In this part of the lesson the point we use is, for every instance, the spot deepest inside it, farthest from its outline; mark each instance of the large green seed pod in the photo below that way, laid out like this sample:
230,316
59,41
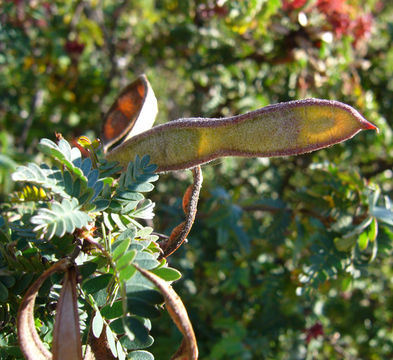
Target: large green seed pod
290,128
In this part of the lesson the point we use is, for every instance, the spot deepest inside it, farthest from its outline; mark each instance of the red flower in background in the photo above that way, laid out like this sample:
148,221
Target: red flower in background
327,7
340,22
313,332
74,47
338,15
361,27
293,4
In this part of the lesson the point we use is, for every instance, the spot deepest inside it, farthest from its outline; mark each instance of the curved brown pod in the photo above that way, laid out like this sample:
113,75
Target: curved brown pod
133,112
29,341
188,349
289,128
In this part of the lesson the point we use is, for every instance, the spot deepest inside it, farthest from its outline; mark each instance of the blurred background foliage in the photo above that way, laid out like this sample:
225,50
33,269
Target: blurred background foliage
289,258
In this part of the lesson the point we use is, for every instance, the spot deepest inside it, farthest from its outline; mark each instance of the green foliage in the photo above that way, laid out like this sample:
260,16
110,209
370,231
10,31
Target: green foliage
279,246
61,218
85,210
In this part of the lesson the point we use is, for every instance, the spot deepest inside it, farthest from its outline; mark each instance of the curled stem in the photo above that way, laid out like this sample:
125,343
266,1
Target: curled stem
190,202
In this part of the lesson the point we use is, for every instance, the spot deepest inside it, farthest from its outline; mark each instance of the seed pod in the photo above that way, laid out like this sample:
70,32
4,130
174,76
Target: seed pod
188,349
66,332
290,128
29,341
133,112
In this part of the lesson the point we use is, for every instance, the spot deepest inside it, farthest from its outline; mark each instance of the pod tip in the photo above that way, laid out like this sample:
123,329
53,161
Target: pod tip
369,126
